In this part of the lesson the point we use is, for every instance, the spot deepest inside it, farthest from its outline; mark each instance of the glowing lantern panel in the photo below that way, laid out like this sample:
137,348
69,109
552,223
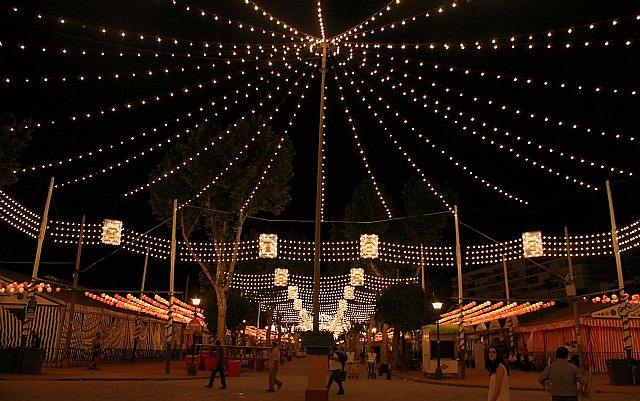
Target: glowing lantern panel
292,292
369,246
357,277
268,246
532,244
111,232
349,292
281,277
297,304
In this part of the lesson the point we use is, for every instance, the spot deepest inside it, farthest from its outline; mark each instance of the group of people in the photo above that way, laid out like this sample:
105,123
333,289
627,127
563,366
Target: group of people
272,366
561,378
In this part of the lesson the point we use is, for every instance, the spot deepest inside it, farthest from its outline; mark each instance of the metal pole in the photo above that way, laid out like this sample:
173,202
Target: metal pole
461,343
626,332
138,323
171,273
316,257
26,324
571,292
74,299
506,289
438,375
258,320
422,265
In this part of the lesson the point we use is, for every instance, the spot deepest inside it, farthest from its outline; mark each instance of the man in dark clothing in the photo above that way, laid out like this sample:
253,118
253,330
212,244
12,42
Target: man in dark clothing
335,367
564,377
218,368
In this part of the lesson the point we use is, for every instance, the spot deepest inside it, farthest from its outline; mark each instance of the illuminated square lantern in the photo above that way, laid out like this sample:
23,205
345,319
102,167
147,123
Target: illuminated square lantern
268,246
281,277
349,292
357,277
292,292
111,232
369,246
342,305
297,304
532,244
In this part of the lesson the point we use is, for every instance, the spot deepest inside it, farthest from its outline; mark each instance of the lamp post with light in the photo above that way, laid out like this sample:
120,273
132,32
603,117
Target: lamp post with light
192,367
437,306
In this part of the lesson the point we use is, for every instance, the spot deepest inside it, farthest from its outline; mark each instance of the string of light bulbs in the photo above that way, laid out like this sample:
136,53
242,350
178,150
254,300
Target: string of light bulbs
363,156
136,156
293,34
414,166
494,128
278,22
512,41
397,23
513,79
486,183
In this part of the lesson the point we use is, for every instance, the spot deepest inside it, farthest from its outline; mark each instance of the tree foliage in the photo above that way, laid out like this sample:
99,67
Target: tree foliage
14,137
217,177
425,218
403,307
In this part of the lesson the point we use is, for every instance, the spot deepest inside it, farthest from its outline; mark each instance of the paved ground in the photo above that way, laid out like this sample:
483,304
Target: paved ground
147,381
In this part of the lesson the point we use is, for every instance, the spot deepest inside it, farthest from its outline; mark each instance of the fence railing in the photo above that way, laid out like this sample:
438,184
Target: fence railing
82,356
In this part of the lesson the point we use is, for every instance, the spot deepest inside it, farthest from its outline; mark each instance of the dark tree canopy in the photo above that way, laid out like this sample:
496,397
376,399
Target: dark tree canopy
217,148
14,137
403,307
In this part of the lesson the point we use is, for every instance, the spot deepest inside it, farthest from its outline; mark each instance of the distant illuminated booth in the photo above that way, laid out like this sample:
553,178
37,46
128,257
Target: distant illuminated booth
448,349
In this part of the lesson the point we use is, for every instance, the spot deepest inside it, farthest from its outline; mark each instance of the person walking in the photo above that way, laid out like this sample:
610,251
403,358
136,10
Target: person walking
371,364
335,369
274,362
498,377
218,368
95,352
563,377
352,369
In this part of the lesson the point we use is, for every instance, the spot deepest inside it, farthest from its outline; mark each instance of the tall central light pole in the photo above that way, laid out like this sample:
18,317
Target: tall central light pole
437,306
316,257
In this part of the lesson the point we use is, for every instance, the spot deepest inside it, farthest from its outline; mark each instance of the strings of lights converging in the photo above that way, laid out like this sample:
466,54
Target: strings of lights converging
434,107
320,21
415,167
147,151
154,99
469,72
293,34
184,163
420,134
385,77
510,40
153,130
361,25
362,154
237,157
355,34
278,22
112,33
509,78
278,147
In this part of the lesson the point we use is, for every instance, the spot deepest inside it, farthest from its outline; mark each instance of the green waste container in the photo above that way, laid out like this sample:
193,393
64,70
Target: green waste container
619,372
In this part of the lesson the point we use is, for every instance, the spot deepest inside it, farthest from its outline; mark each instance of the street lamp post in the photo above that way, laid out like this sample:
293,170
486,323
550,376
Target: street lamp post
437,306
192,367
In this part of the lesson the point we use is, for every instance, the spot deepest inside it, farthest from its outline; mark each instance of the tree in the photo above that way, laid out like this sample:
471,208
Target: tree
403,307
14,137
424,222
215,176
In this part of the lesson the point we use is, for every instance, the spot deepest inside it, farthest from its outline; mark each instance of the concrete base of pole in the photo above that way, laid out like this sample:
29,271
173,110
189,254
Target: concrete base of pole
317,379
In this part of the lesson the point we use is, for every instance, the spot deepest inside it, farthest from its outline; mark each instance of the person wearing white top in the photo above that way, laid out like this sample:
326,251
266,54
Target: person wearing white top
498,377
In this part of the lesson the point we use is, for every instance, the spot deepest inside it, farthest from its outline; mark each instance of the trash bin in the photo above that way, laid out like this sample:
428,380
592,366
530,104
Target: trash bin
9,360
619,372
635,369
234,368
31,361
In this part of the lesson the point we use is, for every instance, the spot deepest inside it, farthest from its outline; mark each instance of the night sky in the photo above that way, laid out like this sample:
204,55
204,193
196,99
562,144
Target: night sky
494,92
